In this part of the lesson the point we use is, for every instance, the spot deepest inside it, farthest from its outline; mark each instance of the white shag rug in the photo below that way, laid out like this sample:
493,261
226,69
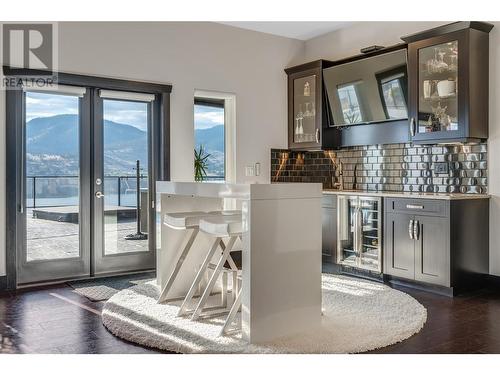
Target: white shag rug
358,316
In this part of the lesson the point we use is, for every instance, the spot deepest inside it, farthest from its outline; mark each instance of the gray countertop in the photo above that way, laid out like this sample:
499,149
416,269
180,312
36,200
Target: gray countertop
396,194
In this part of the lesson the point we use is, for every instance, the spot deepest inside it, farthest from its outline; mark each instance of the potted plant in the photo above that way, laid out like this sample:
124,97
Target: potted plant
200,164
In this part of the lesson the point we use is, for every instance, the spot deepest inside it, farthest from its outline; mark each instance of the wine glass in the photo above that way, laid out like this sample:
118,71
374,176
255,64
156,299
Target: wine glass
441,65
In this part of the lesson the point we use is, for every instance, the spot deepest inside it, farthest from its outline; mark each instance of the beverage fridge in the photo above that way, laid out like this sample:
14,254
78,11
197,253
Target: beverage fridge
359,232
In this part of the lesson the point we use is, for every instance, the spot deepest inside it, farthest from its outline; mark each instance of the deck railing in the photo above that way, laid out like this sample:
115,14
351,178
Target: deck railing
47,191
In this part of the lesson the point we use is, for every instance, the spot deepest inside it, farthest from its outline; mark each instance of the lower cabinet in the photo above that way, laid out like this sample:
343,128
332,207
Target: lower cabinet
399,247
417,248
432,250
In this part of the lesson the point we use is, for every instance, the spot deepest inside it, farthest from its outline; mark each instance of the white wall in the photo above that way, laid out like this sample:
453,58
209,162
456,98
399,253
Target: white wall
190,56
348,41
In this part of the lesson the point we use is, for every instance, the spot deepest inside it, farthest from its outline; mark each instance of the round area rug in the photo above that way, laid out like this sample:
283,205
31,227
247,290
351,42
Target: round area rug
358,316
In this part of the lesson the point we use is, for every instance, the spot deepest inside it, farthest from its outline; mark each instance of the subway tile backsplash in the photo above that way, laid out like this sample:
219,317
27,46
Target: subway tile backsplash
395,167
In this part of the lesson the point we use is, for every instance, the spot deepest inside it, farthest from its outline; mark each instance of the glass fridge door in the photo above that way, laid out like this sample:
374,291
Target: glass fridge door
347,211
369,241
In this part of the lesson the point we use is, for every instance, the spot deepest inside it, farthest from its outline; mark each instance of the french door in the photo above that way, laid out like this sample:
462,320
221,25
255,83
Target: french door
123,203
86,184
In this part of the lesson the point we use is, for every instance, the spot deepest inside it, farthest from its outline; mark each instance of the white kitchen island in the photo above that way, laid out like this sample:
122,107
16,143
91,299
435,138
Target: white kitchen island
281,250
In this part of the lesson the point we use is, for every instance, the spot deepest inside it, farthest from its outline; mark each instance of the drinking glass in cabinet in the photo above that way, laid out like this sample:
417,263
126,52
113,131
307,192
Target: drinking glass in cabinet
304,99
438,105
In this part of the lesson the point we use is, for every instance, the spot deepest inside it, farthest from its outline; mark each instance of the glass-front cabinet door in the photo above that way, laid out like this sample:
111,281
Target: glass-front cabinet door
438,88
438,99
448,83
304,117
359,231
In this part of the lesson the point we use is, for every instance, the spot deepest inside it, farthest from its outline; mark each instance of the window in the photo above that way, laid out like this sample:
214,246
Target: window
393,86
209,139
394,102
349,102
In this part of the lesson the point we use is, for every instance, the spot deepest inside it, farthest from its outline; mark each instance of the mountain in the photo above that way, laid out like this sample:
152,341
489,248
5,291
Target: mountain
212,140
52,146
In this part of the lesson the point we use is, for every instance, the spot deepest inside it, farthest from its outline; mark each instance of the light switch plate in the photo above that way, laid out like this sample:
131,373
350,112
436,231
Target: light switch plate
249,171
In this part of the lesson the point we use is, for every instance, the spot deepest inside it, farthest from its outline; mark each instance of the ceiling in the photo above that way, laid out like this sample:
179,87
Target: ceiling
296,29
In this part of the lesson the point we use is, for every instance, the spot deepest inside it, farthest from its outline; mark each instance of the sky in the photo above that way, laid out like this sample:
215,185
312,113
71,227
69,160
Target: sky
207,117
44,105
131,113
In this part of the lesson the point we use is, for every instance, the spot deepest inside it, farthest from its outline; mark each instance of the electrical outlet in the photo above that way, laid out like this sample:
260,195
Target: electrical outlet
257,169
441,168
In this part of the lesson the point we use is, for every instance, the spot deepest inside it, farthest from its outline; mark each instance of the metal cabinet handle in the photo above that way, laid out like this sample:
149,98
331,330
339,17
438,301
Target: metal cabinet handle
410,229
360,231
317,135
413,128
416,230
415,206
355,232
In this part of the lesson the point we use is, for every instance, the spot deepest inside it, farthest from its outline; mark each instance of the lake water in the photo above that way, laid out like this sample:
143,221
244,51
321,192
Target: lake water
127,200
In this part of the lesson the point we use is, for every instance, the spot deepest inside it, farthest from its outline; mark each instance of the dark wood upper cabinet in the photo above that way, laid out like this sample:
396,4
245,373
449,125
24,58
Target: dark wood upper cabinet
448,83
446,93
307,110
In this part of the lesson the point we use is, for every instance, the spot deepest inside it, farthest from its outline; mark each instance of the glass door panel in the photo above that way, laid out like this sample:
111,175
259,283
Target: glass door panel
125,191
370,244
122,186
438,88
347,236
54,246
304,109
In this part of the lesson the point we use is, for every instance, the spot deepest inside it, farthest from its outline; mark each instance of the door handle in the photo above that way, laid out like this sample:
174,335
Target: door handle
317,135
411,230
413,128
416,230
99,194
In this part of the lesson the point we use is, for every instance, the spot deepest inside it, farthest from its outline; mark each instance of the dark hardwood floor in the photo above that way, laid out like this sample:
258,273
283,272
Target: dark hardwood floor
58,320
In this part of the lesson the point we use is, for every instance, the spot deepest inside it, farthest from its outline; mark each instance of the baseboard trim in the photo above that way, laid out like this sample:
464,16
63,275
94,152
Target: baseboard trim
3,283
361,273
436,289
493,281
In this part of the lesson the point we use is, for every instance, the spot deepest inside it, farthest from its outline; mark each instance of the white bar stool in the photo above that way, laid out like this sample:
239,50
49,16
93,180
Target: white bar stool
181,221
234,310
220,226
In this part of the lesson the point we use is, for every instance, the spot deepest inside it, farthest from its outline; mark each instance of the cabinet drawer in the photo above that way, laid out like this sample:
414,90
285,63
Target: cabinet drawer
329,201
417,206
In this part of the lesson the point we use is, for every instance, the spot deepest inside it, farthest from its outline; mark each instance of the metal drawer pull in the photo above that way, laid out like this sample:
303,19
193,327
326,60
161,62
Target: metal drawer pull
415,206
410,229
416,230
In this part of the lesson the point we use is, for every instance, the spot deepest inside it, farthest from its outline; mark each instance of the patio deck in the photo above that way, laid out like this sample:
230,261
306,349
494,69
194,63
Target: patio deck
49,239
